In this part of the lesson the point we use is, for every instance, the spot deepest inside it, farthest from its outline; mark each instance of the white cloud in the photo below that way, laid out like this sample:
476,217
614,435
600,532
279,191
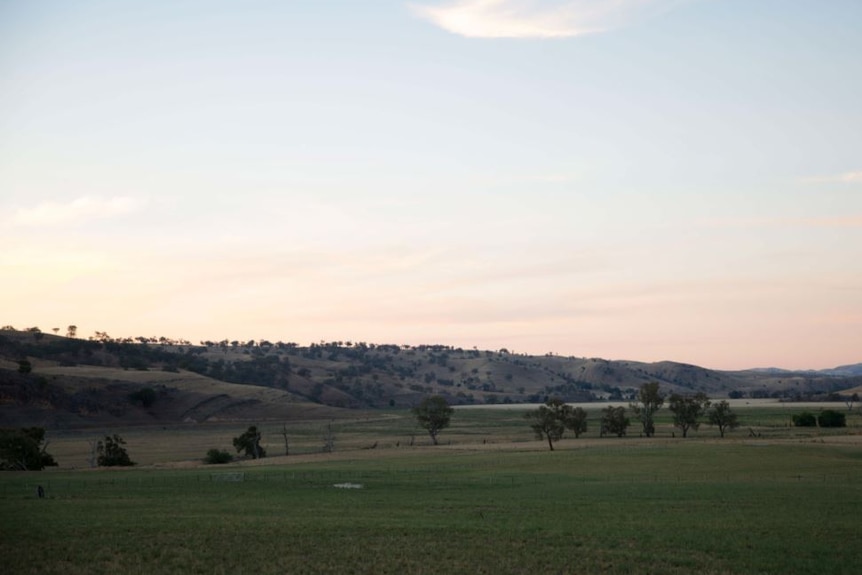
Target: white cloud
533,18
845,178
76,211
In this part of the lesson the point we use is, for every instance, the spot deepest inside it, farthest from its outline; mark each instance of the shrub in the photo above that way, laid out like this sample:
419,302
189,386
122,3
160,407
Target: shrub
831,418
804,419
216,456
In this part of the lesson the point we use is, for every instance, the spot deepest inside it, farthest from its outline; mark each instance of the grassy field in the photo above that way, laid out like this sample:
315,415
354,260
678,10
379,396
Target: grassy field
490,500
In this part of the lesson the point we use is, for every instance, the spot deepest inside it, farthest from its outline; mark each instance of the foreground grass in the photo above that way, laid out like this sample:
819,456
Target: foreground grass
663,508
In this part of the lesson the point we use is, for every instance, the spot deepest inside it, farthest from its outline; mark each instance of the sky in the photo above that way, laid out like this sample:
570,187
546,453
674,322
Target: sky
628,179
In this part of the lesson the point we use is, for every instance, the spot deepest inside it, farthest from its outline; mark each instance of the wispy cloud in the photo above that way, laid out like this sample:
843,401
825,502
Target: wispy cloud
845,178
534,18
76,211
849,221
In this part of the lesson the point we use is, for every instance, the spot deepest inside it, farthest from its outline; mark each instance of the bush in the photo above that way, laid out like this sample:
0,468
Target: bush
831,418
804,419
216,456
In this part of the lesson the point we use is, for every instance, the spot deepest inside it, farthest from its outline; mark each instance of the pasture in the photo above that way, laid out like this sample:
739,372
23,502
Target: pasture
490,500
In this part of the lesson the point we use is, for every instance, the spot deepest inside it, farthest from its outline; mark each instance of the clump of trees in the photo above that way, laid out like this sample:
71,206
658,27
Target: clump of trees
550,421
24,449
249,443
649,401
111,453
433,415
687,411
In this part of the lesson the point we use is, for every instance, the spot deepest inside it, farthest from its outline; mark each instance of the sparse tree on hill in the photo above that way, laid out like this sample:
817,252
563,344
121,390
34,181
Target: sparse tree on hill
249,442
649,402
614,421
72,331
433,415
687,410
722,416
111,452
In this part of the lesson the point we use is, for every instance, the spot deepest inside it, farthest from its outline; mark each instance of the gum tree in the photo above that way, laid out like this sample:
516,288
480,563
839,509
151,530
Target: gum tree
433,415
649,402
687,410
722,417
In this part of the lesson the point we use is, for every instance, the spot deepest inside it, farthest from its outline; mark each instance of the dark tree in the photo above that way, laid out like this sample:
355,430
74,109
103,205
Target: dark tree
687,410
831,418
649,402
576,420
23,449
614,421
146,397
804,419
72,331
24,366
721,416
547,421
111,452
433,415
551,420
850,400
249,443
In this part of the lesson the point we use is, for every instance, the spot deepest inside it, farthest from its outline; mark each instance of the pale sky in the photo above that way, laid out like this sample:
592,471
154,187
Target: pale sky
627,179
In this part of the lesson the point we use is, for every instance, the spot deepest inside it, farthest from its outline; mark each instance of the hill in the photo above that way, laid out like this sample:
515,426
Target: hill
75,382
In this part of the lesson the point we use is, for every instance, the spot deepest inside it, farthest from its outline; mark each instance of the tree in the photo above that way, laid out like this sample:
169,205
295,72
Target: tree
650,401
72,331
721,415
576,420
551,420
850,400
547,421
111,452
23,449
614,421
433,415
24,366
687,410
249,442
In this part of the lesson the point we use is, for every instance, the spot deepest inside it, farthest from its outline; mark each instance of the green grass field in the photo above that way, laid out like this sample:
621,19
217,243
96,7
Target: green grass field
777,504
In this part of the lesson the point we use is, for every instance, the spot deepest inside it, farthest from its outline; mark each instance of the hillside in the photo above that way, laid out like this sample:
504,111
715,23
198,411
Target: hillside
74,382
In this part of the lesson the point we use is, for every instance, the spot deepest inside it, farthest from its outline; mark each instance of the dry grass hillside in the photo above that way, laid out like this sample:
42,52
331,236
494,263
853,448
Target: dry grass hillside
72,382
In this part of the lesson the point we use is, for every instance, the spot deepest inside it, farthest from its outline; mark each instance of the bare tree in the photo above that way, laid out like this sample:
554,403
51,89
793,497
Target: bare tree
284,434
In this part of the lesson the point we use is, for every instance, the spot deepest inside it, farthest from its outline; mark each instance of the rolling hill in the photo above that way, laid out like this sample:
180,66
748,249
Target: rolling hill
73,382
